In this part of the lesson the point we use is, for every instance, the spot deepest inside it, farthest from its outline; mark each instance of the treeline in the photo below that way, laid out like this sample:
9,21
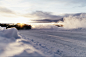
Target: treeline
17,26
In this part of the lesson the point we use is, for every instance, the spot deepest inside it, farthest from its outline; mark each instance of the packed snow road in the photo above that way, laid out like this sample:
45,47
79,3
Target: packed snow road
58,43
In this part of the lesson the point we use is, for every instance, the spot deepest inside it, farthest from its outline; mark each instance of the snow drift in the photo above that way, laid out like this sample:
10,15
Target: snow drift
14,45
9,33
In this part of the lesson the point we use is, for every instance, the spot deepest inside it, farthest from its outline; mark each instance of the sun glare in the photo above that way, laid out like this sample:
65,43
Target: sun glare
21,20
53,23
20,24
33,26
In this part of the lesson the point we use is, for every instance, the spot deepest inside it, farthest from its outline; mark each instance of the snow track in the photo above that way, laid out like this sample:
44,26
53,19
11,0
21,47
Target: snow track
62,43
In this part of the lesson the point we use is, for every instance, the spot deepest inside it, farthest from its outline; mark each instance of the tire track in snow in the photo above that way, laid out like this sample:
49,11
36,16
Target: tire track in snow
62,38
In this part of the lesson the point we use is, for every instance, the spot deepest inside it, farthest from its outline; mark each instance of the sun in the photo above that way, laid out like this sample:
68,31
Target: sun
21,20
20,24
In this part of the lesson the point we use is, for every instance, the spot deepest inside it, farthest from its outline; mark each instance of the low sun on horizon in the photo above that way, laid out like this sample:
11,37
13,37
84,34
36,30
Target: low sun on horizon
21,20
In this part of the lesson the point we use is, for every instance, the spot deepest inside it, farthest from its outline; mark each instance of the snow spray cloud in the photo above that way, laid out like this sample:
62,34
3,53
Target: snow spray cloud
73,22
44,26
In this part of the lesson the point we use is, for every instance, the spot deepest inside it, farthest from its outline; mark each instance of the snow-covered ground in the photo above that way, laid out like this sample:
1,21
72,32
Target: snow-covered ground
46,41
57,43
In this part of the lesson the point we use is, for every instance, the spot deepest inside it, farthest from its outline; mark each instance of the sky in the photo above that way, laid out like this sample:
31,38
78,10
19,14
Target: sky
22,11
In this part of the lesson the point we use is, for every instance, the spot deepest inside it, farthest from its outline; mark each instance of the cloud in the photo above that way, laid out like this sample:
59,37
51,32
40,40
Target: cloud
48,21
69,1
42,15
5,10
23,6
64,1
14,3
80,3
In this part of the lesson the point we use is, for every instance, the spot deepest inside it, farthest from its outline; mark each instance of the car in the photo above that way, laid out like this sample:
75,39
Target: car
59,25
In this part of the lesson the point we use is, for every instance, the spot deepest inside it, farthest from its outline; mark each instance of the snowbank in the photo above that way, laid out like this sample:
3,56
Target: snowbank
14,45
21,48
9,33
2,28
